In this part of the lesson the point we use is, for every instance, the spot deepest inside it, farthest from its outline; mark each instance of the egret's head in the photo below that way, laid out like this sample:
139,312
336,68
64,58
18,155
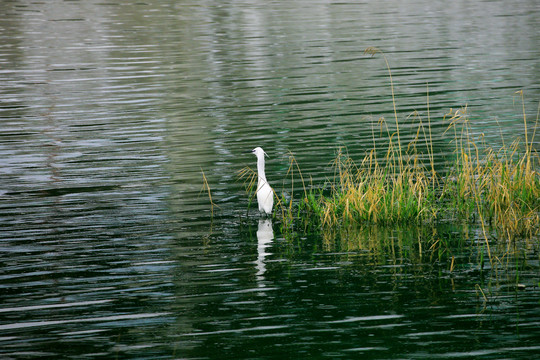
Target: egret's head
259,152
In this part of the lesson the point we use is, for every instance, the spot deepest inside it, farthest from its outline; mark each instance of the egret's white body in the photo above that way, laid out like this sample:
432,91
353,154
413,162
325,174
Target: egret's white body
265,194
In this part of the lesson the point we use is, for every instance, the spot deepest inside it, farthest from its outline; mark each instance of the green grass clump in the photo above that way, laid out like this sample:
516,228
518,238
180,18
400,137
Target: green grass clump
376,193
499,189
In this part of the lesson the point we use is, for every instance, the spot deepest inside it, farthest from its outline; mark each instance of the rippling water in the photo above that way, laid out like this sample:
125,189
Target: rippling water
110,110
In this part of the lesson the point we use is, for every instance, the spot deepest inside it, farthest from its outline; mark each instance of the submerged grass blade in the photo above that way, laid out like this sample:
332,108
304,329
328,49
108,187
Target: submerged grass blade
206,187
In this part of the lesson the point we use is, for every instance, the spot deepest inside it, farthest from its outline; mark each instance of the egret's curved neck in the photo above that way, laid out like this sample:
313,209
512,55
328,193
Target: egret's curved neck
260,168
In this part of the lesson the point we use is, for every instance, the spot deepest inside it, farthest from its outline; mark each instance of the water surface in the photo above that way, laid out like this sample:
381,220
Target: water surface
109,111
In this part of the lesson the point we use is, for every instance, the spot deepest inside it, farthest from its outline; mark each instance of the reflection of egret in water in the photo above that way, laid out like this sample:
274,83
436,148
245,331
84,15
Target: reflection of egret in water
265,235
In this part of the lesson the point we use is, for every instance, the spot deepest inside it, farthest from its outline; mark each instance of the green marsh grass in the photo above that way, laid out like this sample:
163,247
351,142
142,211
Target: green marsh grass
499,188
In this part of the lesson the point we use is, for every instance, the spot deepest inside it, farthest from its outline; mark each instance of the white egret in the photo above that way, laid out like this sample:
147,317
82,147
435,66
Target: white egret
265,194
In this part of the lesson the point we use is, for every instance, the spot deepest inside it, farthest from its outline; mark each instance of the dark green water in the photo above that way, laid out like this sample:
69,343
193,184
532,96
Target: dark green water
109,111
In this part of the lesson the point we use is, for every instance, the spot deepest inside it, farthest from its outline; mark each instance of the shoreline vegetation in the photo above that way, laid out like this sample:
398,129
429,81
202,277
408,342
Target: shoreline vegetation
495,188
